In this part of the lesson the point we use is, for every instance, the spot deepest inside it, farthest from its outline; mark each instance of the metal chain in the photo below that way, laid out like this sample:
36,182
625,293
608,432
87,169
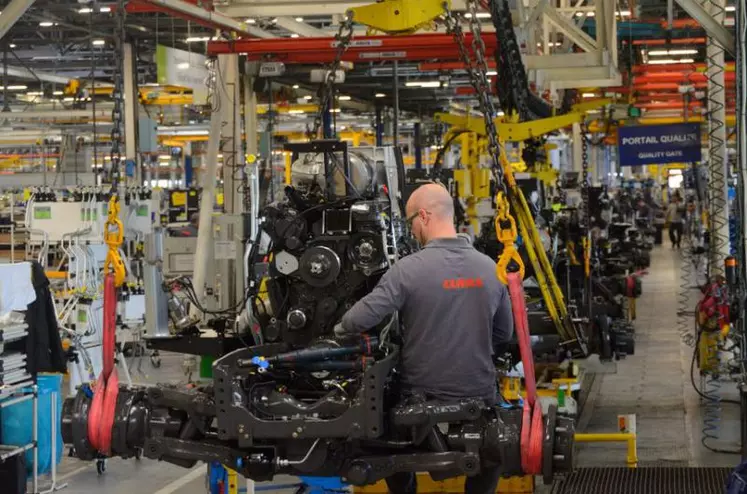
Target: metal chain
478,76
585,179
117,97
343,39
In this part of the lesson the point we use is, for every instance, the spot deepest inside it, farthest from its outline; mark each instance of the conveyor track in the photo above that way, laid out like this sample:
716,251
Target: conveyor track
654,480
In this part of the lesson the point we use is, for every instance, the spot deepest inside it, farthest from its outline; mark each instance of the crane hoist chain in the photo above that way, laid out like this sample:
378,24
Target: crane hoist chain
343,38
512,85
477,71
117,97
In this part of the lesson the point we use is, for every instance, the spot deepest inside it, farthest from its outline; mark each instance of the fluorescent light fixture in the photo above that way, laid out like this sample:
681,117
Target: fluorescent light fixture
500,113
299,19
251,21
424,84
344,98
308,97
380,95
46,24
57,93
491,73
69,100
197,39
16,88
105,10
665,61
294,35
589,95
295,86
296,112
480,15
85,10
730,8
688,51
556,43
335,110
99,42
183,66
11,45
35,93
624,13
587,14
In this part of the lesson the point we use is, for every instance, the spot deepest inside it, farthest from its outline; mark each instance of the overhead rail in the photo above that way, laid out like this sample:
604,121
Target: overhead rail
362,48
190,10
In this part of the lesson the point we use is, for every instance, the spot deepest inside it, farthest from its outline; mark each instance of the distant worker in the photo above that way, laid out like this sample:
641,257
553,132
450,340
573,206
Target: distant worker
676,220
455,314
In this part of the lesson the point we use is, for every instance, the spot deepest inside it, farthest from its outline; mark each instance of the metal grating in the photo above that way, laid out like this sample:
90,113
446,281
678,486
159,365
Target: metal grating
621,480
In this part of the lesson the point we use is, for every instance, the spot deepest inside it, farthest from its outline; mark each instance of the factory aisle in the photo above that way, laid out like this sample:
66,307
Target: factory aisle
655,385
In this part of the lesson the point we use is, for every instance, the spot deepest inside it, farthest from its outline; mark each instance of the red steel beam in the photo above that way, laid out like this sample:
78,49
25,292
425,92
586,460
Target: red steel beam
446,66
729,77
663,41
366,48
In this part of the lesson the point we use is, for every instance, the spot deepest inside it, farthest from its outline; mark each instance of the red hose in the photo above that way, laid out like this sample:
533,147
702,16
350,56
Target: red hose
101,414
532,429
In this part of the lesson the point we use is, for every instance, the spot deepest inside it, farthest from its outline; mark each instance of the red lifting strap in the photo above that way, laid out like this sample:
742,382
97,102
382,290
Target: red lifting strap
101,416
532,429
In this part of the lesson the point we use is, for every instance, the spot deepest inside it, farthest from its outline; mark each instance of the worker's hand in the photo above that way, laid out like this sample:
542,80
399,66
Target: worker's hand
340,331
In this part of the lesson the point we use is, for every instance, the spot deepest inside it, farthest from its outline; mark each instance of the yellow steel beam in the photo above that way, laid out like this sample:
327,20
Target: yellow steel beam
399,16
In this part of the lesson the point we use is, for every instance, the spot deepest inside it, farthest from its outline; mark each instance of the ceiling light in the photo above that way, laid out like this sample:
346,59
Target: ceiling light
275,20
308,97
69,99
46,24
183,66
690,51
424,84
480,15
299,19
57,93
730,8
624,13
295,86
105,10
589,95
344,98
334,110
35,93
99,42
296,112
12,45
85,10
380,95
491,73
294,35
196,39
251,21
556,43
16,88
665,61
588,14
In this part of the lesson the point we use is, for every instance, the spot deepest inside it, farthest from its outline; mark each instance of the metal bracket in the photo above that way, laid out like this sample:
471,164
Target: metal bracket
399,16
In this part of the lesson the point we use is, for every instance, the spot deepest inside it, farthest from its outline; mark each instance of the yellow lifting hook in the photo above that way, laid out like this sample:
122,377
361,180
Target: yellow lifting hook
113,237
506,236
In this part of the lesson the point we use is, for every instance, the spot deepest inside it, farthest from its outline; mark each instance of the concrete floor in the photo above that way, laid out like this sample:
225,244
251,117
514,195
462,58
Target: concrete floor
653,384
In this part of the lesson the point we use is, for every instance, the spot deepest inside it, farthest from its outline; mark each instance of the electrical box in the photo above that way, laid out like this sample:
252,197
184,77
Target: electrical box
147,135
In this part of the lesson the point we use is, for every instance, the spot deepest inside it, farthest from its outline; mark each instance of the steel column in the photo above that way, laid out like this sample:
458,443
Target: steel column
252,146
577,148
130,109
418,146
395,82
232,148
379,126
718,153
11,13
208,177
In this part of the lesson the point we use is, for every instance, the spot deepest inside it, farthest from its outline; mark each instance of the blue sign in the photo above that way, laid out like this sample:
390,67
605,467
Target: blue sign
659,144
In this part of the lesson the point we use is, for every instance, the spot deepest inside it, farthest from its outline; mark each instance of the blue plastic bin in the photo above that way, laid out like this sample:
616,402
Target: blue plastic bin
16,422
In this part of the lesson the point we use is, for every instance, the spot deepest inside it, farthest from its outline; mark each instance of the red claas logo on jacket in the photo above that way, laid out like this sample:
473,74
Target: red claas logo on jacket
462,283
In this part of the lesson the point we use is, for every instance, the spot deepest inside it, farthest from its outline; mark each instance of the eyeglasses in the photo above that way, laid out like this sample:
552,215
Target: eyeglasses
415,215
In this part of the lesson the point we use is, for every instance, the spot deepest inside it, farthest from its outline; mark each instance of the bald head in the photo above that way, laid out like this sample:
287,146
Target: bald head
431,212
